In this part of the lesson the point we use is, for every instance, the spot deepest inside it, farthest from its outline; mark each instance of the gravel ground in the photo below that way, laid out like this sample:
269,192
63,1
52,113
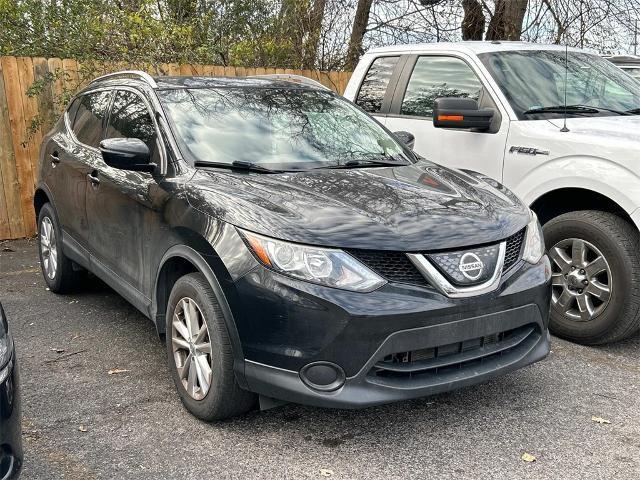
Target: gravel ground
81,422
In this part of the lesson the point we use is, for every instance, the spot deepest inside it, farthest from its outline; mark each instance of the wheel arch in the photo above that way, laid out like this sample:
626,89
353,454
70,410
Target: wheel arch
568,199
180,260
41,196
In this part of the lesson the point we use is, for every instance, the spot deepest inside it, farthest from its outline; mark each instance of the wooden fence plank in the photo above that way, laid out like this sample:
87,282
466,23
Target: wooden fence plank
21,153
10,204
33,133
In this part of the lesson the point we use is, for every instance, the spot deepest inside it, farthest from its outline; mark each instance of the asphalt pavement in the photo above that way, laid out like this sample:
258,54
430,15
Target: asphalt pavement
82,422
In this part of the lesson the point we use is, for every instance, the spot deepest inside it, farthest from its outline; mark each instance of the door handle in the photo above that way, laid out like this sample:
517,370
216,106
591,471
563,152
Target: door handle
55,159
95,181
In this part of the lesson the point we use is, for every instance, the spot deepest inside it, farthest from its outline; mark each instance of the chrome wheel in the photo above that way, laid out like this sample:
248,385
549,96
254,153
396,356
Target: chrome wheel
191,347
48,248
581,279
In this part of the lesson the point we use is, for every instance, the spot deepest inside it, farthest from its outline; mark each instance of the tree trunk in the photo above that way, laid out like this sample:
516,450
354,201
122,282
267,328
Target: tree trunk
473,21
360,23
506,23
315,30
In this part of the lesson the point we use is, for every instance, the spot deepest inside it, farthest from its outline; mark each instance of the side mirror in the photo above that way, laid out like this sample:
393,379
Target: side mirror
127,154
454,112
407,138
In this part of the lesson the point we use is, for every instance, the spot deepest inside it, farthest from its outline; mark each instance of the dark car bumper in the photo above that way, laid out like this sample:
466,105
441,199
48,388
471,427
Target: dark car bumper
396,343
10,426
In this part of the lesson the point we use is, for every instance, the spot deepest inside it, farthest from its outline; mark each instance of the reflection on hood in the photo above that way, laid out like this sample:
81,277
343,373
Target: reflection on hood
415,207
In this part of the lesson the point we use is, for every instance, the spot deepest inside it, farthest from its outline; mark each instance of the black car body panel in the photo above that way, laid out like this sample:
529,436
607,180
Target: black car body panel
140,231
10,411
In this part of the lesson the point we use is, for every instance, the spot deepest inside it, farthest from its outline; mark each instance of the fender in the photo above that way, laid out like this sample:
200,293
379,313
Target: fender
203,267
610,179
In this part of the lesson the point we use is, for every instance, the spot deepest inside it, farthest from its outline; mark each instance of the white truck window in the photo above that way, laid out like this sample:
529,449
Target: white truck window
374,85
434,77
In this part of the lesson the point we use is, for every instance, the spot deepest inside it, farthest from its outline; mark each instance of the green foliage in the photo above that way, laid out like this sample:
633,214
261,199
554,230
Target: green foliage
226,32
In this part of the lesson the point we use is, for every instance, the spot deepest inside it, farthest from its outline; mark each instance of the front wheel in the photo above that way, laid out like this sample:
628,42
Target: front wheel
199,352
595,259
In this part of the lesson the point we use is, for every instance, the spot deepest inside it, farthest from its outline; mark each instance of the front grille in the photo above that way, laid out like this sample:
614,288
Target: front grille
394,266
513,250
453,357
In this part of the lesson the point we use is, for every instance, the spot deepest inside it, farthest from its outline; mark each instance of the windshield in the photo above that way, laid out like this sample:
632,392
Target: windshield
534,79
275,128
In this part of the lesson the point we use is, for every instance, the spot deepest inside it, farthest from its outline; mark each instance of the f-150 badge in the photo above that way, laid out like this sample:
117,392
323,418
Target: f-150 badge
528,151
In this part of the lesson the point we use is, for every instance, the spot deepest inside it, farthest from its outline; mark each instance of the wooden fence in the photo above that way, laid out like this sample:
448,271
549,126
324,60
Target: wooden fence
33,93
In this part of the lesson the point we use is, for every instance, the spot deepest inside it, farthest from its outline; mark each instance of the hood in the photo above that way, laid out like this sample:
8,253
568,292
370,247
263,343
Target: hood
614,132
410,208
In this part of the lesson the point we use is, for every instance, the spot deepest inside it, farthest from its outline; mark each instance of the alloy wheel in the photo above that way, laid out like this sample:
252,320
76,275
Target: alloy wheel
48,248
191,347
581,279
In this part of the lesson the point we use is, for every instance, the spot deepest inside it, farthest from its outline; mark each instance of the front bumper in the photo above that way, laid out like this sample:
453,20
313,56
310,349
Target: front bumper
10,423
288,325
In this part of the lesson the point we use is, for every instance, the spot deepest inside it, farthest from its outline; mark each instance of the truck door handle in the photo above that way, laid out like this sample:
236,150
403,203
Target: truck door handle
55,159
95,181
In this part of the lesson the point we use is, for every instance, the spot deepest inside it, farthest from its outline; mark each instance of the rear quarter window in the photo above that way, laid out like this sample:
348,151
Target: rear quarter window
89,117
375,83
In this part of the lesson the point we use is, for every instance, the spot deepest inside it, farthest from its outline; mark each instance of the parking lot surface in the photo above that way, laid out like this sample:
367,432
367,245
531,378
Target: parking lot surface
82,422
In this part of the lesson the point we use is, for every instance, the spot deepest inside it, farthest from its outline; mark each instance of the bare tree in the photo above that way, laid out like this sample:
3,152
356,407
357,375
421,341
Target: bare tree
473,22
358,30
506,22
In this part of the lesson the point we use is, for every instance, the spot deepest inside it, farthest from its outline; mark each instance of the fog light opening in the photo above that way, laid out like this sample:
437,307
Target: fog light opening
323,376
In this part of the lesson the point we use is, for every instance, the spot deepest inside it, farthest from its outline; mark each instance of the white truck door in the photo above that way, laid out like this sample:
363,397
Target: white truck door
424,79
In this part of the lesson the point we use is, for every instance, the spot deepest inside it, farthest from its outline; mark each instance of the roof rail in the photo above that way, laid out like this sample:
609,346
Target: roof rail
140,75
289,77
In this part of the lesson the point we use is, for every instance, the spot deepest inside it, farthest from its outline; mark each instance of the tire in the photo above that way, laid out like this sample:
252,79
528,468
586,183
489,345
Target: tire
62,278
614,315
224,398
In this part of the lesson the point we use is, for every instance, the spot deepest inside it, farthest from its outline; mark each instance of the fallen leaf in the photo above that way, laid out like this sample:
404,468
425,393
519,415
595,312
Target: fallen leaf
115,371
82,428
599,420
527,457
325,472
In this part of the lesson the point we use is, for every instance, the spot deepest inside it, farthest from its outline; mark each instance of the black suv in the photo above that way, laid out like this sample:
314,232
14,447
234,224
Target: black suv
287,244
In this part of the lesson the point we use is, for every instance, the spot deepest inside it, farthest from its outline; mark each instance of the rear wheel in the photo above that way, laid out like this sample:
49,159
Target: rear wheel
595,258
199,352
57,269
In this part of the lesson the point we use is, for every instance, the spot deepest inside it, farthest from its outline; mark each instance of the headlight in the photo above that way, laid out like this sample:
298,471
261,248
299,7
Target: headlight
325,266
533,242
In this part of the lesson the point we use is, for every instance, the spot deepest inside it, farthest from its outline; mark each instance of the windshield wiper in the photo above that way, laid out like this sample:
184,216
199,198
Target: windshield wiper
385,161
634,111
561,109
239,165
586,109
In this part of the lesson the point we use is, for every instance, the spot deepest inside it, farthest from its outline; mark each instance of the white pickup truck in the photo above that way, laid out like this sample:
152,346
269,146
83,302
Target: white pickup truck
499,108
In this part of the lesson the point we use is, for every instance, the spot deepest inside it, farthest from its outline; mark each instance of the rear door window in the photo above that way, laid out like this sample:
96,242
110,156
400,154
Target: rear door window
130,118
375,83
434,77
89,117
